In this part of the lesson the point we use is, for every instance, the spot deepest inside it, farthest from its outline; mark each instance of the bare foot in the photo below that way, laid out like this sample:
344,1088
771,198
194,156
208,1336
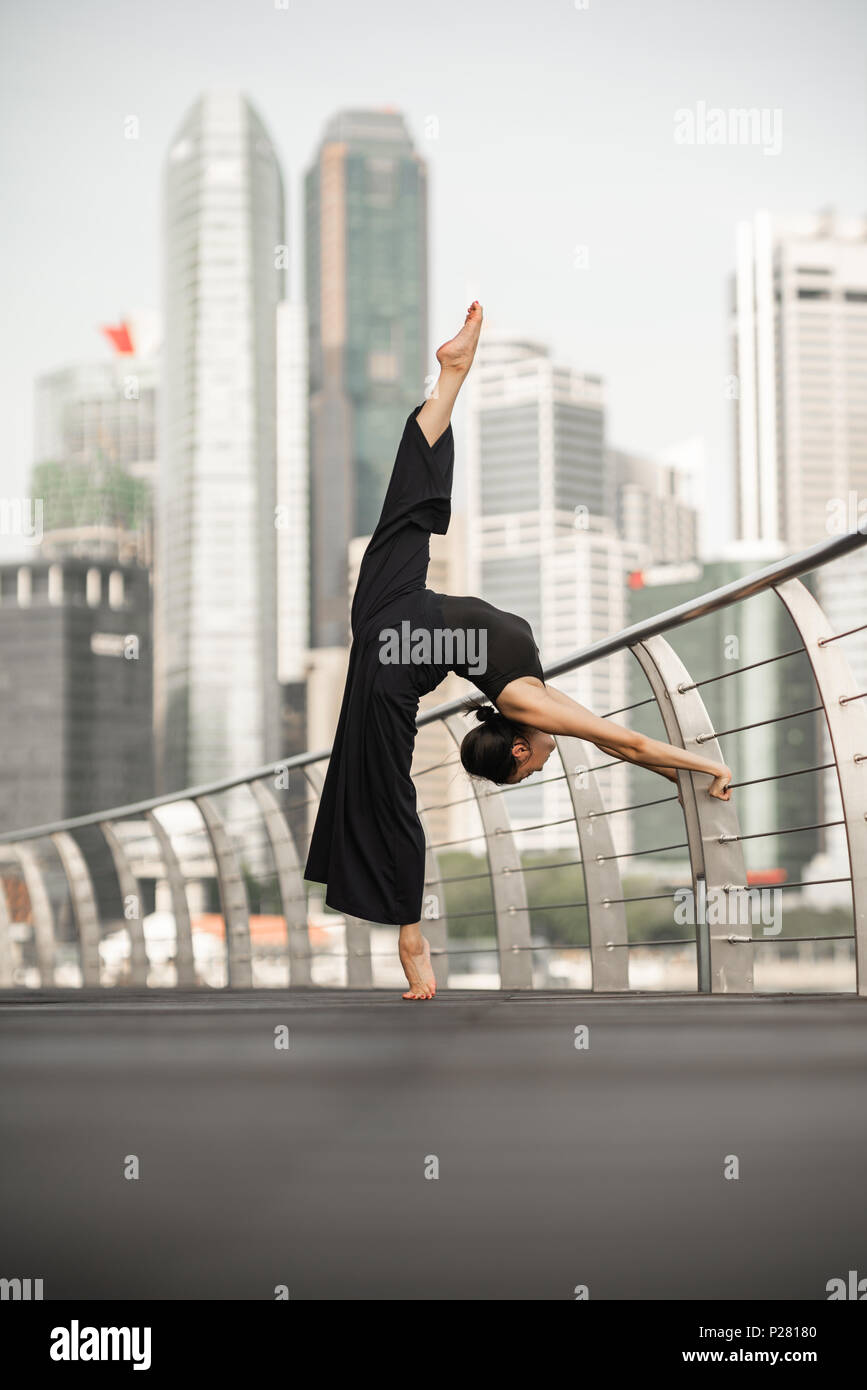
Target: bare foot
458,353
418,970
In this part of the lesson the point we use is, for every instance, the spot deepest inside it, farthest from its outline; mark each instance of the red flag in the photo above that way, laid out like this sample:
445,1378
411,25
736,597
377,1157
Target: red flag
119,338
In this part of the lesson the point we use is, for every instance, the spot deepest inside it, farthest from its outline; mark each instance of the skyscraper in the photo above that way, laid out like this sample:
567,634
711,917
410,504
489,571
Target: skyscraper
536,467
799,349
541,543
293,503
799,337
647,501
76,686
366,271
217,706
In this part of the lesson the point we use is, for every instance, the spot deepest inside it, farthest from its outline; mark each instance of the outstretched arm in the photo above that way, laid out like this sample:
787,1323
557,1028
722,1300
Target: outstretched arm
455,358
669,773
554,712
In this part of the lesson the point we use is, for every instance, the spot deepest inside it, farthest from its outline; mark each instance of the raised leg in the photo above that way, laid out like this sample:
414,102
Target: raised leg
455,358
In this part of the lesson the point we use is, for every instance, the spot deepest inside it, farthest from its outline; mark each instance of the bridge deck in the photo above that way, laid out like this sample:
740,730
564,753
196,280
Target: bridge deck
557,1167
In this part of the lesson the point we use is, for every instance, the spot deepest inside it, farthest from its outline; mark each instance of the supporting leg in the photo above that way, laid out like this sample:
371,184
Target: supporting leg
414,952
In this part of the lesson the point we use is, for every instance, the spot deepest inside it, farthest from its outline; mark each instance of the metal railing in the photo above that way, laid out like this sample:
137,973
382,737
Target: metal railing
213,853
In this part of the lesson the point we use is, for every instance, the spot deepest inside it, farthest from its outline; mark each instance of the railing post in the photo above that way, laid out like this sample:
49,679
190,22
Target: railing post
41,912
359,966
5,940
129,889
712,828
233,897
606,917
508,887
847,728
292,894
83,904
185,966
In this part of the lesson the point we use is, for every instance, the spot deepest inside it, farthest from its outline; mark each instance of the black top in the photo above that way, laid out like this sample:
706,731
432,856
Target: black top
368,843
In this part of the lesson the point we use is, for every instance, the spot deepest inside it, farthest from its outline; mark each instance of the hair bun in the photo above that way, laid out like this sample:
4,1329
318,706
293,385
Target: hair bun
486,713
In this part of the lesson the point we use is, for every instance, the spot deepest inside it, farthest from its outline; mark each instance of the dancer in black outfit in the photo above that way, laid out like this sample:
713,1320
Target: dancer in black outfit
368,844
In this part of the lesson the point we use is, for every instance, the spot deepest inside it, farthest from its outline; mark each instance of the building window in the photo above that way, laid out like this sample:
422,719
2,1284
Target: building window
93,589
25,587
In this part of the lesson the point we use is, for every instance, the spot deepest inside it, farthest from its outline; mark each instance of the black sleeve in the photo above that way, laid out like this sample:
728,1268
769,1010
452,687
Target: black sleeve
417,502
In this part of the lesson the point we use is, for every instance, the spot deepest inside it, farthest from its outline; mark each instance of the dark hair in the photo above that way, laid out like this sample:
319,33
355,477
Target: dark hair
486,751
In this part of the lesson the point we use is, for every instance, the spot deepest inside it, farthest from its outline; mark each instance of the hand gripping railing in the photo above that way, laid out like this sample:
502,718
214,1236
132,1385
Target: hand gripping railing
91,871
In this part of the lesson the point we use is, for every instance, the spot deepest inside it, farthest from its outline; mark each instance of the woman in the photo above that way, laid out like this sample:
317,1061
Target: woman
368,844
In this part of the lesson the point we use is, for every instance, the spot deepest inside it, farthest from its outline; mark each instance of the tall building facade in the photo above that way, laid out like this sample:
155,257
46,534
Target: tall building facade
216,580
540,541
535,450
293,493
76,688
799,353
799,349
366,279
648,503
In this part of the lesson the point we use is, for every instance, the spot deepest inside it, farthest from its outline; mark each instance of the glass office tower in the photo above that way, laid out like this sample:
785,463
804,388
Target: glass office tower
217,707
366,273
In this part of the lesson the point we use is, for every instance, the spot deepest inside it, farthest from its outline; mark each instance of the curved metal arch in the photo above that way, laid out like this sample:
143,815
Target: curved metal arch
5,940
511,912
292,895
185,965
83,904
129,888
847,727
41,912
606,915
233,896
724,957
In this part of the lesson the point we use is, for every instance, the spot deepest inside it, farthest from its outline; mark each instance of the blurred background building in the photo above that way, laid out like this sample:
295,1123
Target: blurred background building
95,448
292,523
76,689
217,699
649,505
799,354
545,496
799,347
367,300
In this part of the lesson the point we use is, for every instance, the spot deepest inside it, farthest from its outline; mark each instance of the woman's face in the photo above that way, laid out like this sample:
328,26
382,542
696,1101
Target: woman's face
531,750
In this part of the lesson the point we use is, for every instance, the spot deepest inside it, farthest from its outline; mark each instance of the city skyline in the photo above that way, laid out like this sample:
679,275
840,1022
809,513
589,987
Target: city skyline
433,568
566,261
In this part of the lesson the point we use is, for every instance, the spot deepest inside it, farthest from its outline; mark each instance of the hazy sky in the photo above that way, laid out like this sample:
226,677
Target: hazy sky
556,130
